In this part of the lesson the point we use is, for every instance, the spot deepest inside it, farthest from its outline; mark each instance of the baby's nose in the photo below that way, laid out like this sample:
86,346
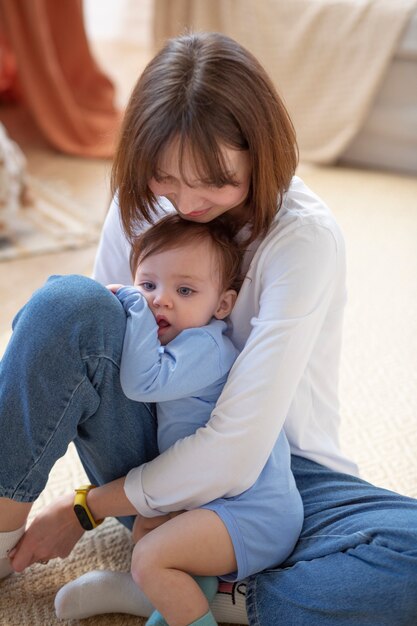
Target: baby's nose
162,299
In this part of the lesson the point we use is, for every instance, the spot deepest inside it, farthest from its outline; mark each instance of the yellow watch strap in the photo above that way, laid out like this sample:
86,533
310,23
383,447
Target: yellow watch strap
81,509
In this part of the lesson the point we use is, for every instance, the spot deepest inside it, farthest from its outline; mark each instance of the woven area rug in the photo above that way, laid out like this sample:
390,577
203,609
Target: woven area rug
378,213
52,222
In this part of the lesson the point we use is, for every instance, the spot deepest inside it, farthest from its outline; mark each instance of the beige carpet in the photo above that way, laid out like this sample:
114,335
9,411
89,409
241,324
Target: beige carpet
378,213
52,222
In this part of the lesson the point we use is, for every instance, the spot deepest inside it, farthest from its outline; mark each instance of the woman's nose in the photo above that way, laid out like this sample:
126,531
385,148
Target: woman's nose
187,200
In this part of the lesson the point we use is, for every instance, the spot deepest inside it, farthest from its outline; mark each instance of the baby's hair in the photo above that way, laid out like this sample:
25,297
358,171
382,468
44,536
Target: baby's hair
206,91
172,232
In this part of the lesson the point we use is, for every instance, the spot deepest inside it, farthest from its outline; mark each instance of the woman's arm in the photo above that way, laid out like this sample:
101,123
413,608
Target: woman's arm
111,264
54,532
151,373
230,452
294,284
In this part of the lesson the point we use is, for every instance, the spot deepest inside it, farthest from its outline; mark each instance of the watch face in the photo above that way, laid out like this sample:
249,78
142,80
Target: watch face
83,518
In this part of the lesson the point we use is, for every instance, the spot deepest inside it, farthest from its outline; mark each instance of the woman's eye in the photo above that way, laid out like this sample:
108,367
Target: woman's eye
220,184
163,179
212,184
185,291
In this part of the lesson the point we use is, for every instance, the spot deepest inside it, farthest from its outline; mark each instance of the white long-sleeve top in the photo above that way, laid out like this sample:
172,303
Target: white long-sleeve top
287,323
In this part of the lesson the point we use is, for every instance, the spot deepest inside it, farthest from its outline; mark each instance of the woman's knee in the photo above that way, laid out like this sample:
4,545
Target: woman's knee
75,292
69,298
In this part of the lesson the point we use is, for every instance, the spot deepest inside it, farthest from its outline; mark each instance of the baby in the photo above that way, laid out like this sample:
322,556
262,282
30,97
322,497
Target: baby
177,353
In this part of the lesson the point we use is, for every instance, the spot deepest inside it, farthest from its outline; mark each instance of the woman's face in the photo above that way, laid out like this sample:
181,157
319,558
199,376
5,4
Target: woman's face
197,200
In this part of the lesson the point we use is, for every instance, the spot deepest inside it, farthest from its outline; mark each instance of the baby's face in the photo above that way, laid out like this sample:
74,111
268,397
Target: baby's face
182,287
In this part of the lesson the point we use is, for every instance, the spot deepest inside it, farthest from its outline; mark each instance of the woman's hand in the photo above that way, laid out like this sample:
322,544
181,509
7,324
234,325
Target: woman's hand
53,533
143,525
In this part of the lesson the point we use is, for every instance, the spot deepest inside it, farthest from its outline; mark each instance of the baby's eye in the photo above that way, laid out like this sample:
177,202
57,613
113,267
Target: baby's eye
147,285
185,291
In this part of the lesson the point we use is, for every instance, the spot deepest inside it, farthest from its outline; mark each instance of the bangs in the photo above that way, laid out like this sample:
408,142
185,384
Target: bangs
207,156
201,146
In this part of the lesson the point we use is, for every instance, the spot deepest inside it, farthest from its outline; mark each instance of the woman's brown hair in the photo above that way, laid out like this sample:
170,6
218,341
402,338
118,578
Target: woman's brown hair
208,91
172,232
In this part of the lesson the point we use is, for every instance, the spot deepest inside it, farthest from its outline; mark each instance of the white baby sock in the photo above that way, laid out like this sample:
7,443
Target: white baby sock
7,542
101,592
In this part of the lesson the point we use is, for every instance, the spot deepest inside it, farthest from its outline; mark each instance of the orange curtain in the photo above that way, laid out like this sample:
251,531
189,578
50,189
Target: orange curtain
70,98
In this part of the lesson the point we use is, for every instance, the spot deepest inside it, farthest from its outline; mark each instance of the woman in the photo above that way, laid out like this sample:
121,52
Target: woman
205,134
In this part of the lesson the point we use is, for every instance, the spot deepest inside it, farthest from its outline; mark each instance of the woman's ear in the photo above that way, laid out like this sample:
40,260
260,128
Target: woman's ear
226,303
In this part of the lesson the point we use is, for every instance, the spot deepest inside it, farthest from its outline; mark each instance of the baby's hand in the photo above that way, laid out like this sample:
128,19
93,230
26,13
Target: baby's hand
113,287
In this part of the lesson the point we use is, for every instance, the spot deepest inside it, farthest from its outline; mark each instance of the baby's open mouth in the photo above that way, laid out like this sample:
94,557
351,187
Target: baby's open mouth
162,323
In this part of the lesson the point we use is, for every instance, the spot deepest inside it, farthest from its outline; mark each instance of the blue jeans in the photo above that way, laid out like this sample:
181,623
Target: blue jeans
356,560
355,563
59,382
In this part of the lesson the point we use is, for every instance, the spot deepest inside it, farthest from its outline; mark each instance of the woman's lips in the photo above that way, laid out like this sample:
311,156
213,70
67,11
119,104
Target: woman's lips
198,213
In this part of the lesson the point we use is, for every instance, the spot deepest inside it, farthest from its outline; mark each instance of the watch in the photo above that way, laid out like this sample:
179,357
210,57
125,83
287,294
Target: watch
81,509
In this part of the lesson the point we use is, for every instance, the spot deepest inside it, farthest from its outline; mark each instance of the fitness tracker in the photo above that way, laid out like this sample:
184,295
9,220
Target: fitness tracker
81,509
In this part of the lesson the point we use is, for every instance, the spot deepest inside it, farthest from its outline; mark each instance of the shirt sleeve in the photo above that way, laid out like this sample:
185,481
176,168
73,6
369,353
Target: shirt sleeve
150,372
111,264
296,281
